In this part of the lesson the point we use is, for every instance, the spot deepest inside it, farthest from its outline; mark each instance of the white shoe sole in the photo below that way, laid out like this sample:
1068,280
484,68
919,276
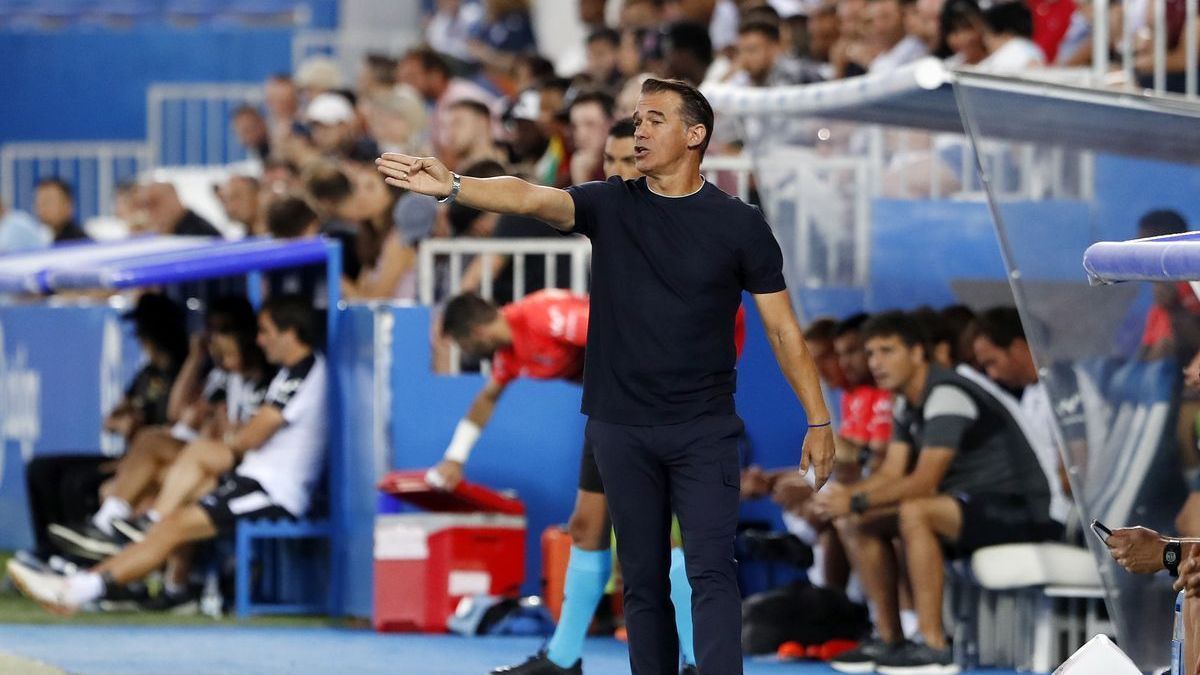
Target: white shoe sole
865,667
129,531
931,669
22,578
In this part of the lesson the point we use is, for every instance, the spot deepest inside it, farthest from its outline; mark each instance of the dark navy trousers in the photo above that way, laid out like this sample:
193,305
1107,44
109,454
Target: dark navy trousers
691,470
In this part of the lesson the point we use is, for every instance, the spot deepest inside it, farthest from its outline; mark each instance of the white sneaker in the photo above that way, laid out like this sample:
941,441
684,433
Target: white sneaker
48,590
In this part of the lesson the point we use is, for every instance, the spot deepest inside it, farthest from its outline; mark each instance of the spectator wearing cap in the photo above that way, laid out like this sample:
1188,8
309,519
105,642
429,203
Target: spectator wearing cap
591,116
252,132
333,125
20,232
55,207
885,25
160,209
317,75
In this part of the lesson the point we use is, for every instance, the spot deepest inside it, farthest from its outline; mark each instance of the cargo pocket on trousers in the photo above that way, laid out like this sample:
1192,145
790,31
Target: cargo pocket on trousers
731,472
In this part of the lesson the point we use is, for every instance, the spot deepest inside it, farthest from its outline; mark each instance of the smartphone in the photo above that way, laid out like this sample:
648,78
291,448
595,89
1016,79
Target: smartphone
1101,531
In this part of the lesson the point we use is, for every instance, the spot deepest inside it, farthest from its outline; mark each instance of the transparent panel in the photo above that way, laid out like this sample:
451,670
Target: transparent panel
1111,366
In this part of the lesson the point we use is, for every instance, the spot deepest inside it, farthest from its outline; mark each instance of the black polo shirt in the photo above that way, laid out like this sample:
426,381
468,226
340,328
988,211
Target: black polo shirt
667,278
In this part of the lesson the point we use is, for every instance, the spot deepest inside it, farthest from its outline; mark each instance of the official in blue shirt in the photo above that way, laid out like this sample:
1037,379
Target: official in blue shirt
671,257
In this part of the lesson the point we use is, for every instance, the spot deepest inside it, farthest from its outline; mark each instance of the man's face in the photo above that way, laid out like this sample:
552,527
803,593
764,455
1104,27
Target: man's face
410,72
239,198
282,99
463,127
619,159
225,352
270,339
884,23
825,358
1009,367
550,101
52,206
893,363
250,130
601,58
852,358
330,138
589,127
591,12
479,344
661,136
823,32
926,21
756,54
640,14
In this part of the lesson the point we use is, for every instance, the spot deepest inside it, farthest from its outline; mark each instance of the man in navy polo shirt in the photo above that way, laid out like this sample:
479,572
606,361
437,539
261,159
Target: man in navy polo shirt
671,257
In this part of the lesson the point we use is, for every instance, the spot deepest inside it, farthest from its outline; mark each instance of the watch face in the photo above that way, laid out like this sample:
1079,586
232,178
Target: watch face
1171,557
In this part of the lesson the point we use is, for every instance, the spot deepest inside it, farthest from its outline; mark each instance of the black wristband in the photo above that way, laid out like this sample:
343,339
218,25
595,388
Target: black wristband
1172,554
858,503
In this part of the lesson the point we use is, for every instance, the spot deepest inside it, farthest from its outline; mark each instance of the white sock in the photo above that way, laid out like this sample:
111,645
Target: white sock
908,623
112,508
153,516
84,587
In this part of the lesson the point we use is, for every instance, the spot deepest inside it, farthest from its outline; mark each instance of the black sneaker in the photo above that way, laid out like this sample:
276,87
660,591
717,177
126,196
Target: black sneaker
863,658
915,659
133,529
689,670
85,541
540,665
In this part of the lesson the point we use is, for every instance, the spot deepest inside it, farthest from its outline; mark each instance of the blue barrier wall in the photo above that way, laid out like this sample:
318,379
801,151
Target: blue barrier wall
83,84
60,369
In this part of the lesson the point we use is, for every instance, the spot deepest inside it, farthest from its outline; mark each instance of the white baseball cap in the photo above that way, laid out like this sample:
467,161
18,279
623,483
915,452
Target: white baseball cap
329,109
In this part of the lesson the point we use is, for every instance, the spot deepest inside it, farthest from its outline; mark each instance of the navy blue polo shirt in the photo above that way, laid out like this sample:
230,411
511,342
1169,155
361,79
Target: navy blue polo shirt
667,279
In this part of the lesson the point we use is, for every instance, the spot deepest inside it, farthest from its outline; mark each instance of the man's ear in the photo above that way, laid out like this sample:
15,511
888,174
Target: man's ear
696,135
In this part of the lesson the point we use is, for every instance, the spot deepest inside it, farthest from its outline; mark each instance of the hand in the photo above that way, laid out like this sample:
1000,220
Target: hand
423,175
198,345
1138,549
1191,374
833,501
755,482
1189,575
818,454
791,492
450,474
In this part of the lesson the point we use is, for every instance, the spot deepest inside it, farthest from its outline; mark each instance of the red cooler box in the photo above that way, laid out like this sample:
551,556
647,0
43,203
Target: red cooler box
467,542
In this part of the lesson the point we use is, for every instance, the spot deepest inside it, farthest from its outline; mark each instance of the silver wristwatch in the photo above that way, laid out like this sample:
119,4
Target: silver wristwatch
455,186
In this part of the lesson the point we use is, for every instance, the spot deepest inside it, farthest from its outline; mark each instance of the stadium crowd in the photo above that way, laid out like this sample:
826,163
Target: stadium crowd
946,436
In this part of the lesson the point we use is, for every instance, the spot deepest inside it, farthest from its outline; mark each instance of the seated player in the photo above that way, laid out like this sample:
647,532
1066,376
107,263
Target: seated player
282,450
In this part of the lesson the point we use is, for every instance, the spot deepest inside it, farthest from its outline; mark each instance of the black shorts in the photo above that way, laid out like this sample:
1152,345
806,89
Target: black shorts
991,520
238,497
589,473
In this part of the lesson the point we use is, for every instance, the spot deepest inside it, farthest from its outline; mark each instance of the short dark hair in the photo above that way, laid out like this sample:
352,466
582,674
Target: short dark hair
245,109
540,68
289,217
291,312
1011,17
464,312
1161,222
851,324
762,13
897,324
59,184
327,183
606,34
821,330
600,98
381,66
693,106
474,106
429,59
1001,326
622,128
233,315
162,322
554,83
764,28
690,37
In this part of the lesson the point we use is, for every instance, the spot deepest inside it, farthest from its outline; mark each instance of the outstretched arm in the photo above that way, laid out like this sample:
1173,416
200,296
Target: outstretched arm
505,194
449,472
797,365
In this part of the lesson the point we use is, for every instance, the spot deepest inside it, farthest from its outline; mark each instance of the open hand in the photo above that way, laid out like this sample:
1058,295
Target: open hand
423,175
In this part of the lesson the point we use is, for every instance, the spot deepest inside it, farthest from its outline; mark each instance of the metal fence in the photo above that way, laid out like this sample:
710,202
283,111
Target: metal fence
442,264
93,169
191,124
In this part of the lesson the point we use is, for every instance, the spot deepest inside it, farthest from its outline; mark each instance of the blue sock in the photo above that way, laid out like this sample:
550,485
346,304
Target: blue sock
681,597
587,575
